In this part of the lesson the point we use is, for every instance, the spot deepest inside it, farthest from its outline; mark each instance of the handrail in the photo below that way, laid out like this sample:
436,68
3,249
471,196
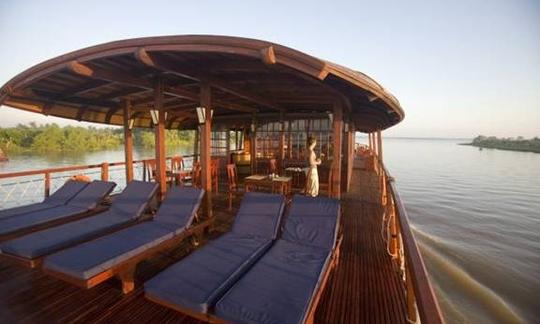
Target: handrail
72,168
416,274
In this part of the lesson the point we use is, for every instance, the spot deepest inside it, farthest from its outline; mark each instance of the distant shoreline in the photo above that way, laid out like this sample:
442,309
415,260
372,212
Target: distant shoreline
495,147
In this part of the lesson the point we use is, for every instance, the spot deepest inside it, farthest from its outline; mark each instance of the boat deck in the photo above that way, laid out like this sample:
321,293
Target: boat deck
365,287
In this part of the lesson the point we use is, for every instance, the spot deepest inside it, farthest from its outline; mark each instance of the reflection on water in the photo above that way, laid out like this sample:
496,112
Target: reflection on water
476,216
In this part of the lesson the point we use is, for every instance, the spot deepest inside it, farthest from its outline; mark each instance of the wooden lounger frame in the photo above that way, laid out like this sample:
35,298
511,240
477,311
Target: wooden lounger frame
211,318
37,262
53,223
125,270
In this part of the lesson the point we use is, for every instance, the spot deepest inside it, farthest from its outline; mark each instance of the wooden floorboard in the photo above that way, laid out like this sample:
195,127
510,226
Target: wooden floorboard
364,288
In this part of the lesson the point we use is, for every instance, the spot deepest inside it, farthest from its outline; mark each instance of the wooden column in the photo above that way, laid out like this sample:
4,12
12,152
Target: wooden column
206,133
338,139
196,145
253,146
289,140
281,141
206,137
379,146
128,142
159,130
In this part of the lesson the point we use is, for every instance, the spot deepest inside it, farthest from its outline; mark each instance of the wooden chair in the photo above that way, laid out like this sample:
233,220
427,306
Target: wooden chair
196,175
179,174
325,186
214,172
232,182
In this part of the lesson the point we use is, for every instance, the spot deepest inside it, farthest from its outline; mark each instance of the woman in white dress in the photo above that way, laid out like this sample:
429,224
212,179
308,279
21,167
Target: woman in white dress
312,177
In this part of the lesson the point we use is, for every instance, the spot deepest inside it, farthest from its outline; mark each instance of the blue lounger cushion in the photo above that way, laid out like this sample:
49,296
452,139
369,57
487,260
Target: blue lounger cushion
200,279
87,199
86,260
91,258
58,198
259,215
135,197
12,224
278,288
92,195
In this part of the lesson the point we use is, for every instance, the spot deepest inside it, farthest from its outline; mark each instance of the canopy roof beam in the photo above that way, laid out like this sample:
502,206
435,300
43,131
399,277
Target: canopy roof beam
124,78
157,63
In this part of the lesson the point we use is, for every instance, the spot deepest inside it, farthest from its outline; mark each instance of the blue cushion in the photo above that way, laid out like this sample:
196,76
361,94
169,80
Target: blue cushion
128,202
199,280
312,221
92,194
259,215
16,211
91,258
29,220
179,207
278,288
58,198
66,192
53,239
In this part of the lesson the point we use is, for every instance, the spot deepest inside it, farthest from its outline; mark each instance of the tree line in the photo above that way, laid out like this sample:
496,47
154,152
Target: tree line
53,138
513,144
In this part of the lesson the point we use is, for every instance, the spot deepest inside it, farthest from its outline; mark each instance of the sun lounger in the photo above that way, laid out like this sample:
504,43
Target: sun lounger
126,209
285,284
80,205
118,253
58,198
194,284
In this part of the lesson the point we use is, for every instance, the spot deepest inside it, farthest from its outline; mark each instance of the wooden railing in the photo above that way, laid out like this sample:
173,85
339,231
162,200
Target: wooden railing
421,299
44,177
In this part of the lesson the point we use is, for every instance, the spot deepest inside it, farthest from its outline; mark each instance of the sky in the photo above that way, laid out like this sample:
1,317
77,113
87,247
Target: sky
459,68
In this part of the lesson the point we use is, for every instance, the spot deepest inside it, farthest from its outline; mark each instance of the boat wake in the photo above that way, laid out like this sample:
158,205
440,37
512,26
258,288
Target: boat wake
462,297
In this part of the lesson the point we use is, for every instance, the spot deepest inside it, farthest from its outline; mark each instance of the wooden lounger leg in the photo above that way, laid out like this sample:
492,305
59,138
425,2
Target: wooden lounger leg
128,280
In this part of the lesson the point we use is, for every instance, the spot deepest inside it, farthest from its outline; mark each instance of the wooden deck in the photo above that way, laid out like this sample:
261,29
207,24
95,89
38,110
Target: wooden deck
365,288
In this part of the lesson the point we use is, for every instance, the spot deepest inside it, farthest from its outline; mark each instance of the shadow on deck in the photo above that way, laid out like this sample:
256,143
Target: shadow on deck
365,288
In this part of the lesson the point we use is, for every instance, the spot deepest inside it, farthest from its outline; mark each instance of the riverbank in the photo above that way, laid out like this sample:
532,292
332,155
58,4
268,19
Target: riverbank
508,144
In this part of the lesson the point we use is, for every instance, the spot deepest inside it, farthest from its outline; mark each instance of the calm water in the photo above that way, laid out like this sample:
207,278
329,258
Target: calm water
476,215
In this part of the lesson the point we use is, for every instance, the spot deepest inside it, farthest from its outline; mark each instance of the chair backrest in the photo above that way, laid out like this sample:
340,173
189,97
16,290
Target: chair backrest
66,192
259,215
232,176
134,199
151,167
312,221
272,166
177,163
179,207
92,194
196,174
214,167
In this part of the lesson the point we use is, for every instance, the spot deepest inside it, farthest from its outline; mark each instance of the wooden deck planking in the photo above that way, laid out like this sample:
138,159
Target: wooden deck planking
364,288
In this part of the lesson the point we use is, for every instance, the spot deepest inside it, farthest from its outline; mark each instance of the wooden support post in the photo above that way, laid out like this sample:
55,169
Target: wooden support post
379,146
393,229
196,150
281,141
338,135
206,136
128,142
104,171
253,146
128,280
227,146
47,184
159,130
289,141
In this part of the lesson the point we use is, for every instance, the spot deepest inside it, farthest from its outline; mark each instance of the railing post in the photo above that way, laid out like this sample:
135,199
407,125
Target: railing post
47,184
104,171
411,299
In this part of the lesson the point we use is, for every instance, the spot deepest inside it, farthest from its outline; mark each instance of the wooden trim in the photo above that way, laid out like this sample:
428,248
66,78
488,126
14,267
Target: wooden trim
206,137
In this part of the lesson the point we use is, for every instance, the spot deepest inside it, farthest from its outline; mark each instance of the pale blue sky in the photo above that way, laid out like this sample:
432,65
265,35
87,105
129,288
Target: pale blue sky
459,68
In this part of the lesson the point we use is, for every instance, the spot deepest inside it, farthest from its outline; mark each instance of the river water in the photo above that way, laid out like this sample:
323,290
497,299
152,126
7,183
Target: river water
476,215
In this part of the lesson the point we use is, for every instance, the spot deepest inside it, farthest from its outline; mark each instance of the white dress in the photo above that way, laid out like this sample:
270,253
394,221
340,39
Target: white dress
312,177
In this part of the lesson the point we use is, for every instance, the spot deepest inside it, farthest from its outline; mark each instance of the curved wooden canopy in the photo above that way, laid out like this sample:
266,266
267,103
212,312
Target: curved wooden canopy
246,76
